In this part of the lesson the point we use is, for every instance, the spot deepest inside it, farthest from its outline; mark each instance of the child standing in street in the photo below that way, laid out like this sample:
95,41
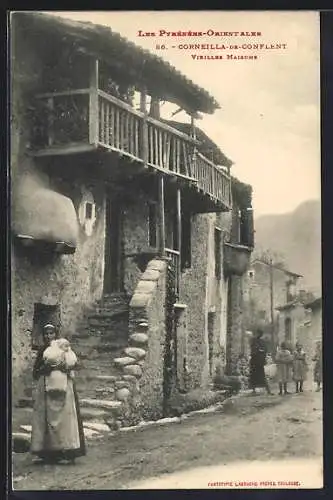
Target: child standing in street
318,367
299,367
284,361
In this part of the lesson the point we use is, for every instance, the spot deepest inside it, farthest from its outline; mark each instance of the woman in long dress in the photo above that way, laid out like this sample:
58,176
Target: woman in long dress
57,430
257,363
284,363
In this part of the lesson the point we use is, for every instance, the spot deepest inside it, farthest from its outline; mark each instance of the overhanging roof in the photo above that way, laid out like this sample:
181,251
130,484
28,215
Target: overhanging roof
276,266
289,305
143,67
314,304
207,147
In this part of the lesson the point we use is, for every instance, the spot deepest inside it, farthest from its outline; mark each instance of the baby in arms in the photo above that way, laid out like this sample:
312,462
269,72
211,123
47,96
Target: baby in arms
58,352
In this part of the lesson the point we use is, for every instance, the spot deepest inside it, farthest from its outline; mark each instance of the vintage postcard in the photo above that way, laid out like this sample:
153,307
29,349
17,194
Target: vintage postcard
166,250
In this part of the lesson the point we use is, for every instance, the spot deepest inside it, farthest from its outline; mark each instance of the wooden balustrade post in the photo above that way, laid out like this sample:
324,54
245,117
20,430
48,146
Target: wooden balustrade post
161,217
144,124
93,103
194,157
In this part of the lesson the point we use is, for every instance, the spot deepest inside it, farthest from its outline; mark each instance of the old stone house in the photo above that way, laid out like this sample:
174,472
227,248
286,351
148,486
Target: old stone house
125,234
267,285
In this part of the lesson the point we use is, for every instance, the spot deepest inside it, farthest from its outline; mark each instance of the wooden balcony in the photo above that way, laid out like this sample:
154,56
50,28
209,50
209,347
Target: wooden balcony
83,120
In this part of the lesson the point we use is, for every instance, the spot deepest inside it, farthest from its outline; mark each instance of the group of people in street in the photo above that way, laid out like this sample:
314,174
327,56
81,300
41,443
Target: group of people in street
57,428
289,366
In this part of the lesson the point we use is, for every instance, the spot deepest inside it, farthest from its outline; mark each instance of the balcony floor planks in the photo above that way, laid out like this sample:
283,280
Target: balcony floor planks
64,150
149,168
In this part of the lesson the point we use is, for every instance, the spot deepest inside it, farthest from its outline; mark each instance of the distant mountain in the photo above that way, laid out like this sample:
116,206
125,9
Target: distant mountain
296,236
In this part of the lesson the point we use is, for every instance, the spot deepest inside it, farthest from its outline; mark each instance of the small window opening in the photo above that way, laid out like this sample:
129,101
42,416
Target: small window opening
89,210
186,235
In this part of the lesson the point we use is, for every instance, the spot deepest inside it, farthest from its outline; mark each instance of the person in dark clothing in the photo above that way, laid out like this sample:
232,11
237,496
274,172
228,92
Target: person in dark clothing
257,363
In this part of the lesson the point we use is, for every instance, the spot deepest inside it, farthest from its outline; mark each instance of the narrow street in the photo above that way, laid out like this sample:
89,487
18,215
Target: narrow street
246,431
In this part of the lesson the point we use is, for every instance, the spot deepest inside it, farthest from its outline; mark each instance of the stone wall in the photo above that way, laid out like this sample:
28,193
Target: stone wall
235,329
194,293
139,383
205,297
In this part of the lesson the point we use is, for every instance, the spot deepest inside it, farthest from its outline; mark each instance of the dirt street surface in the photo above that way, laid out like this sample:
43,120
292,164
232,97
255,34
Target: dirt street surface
260,428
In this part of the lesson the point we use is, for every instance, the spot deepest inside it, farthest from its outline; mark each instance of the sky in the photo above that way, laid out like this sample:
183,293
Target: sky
269,121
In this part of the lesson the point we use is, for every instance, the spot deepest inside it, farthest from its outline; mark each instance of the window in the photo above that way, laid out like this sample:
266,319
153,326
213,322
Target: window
246,227
152,225
89,210
250,273
218,261
186,249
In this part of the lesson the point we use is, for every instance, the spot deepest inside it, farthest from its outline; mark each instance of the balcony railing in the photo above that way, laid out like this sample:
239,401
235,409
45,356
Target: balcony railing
76,120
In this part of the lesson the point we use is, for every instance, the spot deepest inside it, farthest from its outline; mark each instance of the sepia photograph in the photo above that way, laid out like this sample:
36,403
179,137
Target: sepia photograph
165,238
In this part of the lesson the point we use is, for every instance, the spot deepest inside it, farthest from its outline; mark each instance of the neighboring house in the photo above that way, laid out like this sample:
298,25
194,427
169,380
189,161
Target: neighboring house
311,331
292,318
125,235
266,286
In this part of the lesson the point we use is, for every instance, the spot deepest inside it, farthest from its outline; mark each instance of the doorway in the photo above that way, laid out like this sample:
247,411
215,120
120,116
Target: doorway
44,314
211,327
287,327
113,271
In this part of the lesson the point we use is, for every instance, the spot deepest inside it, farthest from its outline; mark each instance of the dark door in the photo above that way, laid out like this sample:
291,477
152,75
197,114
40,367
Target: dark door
113,272
44,314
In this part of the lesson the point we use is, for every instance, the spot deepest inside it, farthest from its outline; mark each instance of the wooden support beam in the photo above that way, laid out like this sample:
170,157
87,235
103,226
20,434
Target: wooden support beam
93,103
161,217
50,105
194,156
193,131
179,237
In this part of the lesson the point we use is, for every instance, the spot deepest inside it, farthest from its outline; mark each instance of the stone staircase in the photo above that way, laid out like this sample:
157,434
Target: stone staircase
103,338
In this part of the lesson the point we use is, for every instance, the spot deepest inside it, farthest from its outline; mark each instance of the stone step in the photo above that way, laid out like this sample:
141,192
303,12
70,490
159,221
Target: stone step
97,426
107,405
119,297
106,315
109,346
95,414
